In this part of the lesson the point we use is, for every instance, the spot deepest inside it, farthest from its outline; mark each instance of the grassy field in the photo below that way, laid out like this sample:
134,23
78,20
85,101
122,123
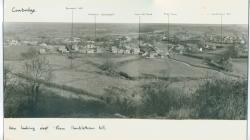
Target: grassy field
14,53
164,68
87,75
122,86
240,66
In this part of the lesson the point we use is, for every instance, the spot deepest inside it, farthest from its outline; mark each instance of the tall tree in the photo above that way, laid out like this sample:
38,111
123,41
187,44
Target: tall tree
36,70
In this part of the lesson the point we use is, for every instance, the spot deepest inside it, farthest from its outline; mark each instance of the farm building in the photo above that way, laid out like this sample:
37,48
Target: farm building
90,51
126,51
83,50
43,45
99,50
62,49
12,42
75,47
50,49
42,51
31,43
114,49
135,50
179,49
152,55
120,51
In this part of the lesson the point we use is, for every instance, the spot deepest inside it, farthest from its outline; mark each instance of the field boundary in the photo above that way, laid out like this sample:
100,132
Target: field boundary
58,86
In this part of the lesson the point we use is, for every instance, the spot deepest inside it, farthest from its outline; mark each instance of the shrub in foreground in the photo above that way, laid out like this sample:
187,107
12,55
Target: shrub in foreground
222,99
159,99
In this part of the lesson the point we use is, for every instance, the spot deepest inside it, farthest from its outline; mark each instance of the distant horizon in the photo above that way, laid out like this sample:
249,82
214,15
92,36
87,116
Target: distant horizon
127,23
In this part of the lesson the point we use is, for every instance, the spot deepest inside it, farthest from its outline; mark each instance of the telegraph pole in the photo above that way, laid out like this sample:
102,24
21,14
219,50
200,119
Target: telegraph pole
221,24
139,31
95,26
168,24
221,34
168,27
72,33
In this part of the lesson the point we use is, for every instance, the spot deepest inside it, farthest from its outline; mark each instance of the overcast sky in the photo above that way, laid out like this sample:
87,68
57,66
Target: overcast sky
188,11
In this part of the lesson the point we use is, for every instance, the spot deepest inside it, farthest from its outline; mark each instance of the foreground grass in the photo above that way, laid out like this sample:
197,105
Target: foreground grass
52,105
214,99
222,99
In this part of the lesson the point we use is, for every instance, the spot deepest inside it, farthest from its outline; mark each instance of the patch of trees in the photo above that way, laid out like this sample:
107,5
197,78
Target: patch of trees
36,68
224,61
214,99
222,99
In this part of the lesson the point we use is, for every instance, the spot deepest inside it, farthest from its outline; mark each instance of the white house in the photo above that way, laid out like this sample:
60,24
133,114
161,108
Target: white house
152,55
13,42
90,46
145,54
120,51
42,51
136,50
83,50
200,49
90,51
75,47
62,49
114,49
43,45
126,51
99,50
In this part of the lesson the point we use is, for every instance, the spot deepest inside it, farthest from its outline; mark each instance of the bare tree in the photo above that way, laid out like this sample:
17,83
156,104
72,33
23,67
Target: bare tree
6,77
9,81
36,70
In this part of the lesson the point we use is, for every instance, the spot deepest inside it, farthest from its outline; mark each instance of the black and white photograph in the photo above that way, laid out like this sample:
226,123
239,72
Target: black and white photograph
124,69
137,67
163,71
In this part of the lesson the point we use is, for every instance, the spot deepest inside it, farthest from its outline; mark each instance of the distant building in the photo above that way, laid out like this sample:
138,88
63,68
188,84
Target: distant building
31,43
75,47
42,51
90,51
201,49
180,49
90,46
90,42
126,51
194,48
83,50
50,49
13,43
62,49
145,54
135,50
152,55
43,45
114,49
210,47
120,51
99,50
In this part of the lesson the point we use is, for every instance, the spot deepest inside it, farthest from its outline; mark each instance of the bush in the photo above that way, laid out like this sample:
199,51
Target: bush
118,101
18,102
109,67
222,99
159,99
52,105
